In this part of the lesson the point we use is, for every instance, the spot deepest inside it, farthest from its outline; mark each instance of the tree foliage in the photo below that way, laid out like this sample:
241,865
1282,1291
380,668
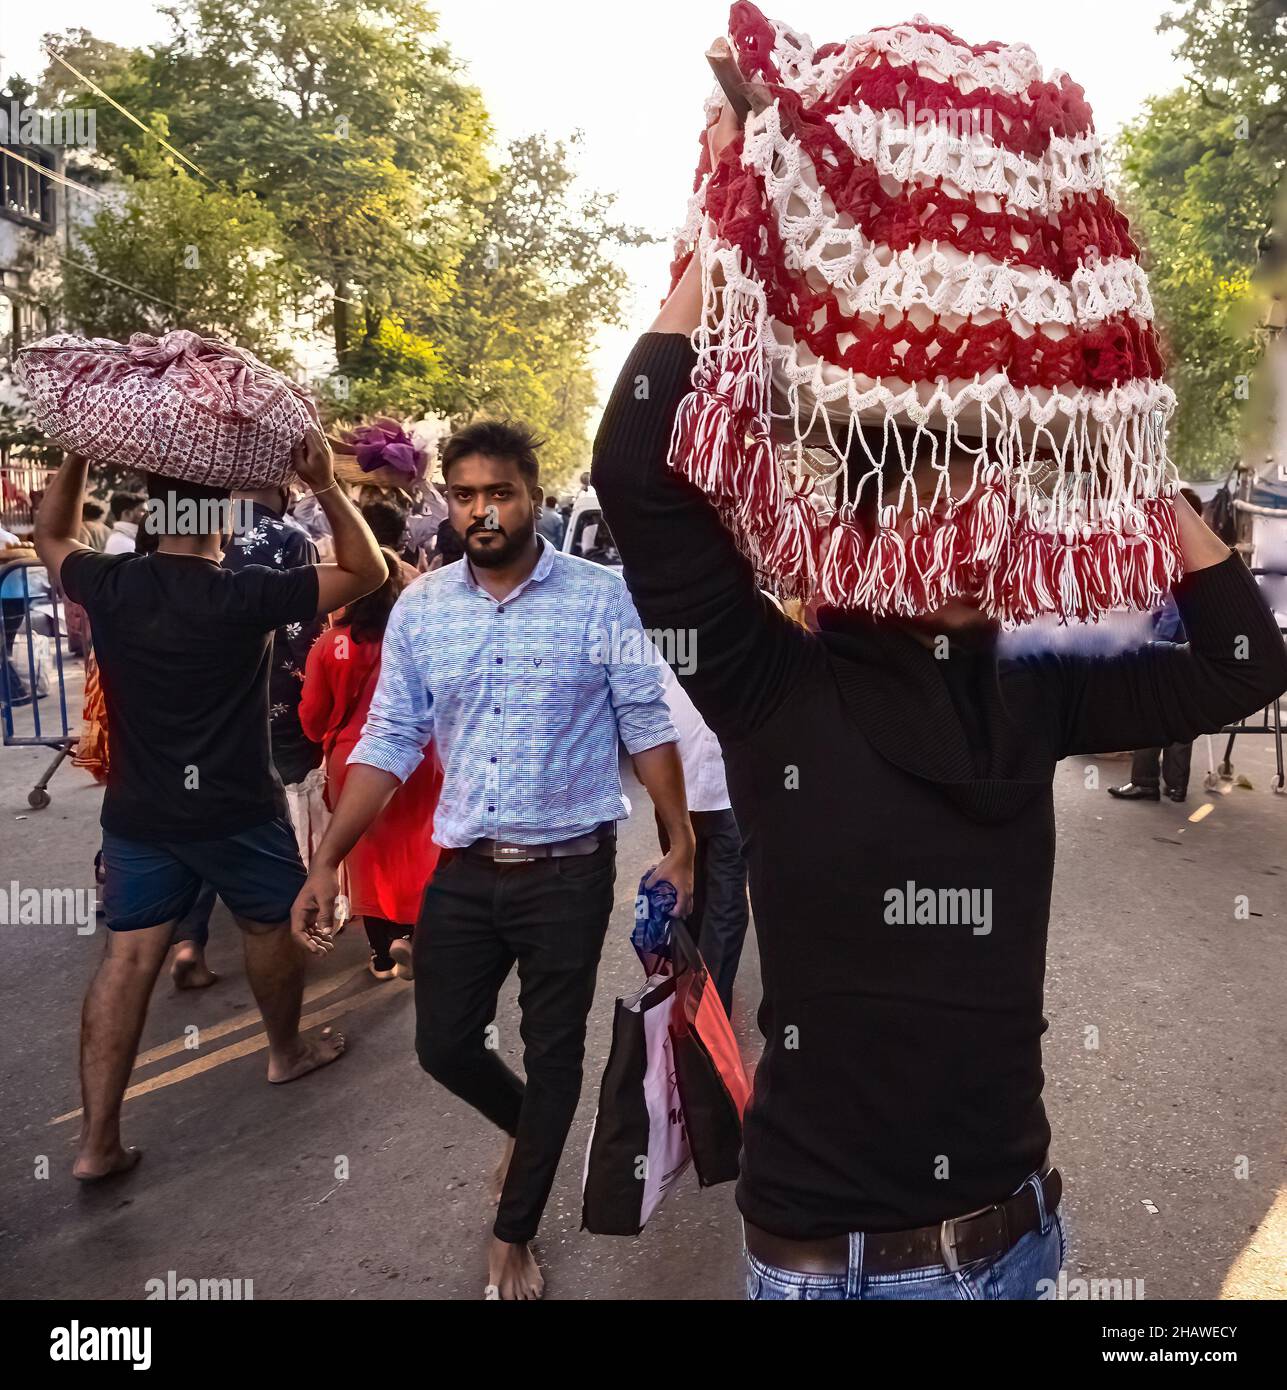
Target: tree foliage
345,180
534,283
1202,171
212,261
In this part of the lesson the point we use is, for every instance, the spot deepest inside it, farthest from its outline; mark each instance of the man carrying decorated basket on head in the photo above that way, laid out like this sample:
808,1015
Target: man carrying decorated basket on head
908,368
184,649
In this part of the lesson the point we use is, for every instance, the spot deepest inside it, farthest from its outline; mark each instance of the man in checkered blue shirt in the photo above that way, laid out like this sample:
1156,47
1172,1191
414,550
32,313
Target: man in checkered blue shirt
527,668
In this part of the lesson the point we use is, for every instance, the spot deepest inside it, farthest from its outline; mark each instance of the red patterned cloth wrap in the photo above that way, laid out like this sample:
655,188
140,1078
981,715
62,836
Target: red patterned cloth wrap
181,405
908,256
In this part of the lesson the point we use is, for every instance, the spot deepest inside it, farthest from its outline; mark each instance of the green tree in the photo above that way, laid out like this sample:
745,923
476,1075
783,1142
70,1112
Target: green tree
349,122
175,253
1201,171
394,371
530,293
340,147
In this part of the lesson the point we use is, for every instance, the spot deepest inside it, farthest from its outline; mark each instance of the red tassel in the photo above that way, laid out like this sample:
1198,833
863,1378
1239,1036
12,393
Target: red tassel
1164,527
947,550
922,592
704,444
1090,580
1027,590
881,587
792,556
1137,564
1066,577
1110,561
758,488
843,568
1159,521
988,519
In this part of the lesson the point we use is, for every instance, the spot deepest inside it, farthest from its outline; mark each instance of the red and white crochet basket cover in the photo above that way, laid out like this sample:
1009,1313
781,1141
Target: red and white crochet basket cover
915,233
180,405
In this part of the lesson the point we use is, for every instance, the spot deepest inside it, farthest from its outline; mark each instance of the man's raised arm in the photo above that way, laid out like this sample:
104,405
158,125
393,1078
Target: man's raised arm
1233,664
359,566
58,520
683,568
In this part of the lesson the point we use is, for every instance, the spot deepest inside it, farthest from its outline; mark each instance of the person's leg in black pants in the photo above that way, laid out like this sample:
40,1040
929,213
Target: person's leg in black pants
1176,760
460,964
721,929
477,920
1145,767
554,916
14,682
720,914
14,610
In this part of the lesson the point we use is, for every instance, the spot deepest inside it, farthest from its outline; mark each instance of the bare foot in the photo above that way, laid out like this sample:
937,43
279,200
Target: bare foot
189,969
512,1272
309,1054
93,1169
497,1184
400,950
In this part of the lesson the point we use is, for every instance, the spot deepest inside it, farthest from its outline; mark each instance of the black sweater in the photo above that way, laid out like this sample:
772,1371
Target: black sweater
901,1077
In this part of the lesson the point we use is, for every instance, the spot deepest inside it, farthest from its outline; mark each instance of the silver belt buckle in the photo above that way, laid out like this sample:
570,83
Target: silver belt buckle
947,1244
511,854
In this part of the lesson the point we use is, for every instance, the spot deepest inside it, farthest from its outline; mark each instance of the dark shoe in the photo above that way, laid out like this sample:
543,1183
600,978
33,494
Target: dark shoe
381,967
1177,793
1132,791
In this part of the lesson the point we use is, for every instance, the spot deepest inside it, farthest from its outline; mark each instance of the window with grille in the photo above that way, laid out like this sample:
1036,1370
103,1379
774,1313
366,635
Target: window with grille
28,195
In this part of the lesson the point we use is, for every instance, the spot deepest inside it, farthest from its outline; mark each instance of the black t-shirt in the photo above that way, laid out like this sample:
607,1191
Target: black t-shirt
184,648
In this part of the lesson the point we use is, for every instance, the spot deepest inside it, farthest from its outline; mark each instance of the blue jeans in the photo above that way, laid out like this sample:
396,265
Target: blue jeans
1017,1274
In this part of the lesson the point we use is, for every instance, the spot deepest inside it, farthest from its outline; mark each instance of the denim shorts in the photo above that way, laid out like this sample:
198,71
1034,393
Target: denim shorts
1028,1270
258,873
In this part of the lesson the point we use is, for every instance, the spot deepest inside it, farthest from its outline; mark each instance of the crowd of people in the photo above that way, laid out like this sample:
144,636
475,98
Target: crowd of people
268,714
345,709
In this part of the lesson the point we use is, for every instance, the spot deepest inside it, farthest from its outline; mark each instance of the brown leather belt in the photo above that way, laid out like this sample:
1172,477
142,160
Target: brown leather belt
979,1235
505,852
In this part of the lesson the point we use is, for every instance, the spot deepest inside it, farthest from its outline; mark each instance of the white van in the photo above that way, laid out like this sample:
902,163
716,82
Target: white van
587,533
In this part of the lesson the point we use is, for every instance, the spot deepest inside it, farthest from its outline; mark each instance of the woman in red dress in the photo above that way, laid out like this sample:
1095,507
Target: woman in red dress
389,867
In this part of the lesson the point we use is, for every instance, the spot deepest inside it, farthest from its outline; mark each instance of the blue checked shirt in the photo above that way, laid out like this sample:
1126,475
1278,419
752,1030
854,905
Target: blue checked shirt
524,698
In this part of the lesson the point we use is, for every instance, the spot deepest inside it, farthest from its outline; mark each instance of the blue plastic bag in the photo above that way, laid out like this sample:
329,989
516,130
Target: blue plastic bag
654,906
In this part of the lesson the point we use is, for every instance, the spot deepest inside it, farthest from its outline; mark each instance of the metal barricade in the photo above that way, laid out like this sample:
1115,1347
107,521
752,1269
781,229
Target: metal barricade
1271,720
33,693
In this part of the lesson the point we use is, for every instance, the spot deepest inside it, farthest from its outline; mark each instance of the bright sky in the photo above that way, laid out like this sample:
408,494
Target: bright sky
633,78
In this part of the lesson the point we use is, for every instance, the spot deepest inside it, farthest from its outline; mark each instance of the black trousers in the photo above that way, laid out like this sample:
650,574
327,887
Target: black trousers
478,920
720,912
1174,760
14,611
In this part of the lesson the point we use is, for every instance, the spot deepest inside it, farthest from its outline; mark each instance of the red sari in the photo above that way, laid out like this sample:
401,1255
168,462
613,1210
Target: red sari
390,865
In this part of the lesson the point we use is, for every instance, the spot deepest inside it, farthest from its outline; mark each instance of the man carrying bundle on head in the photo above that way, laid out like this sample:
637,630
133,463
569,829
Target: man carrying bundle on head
890,776
184,648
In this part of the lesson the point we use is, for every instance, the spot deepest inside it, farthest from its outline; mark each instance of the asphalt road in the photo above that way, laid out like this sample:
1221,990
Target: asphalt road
241,1180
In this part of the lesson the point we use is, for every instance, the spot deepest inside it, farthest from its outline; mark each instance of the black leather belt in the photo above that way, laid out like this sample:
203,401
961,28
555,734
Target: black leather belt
503,852
979,1235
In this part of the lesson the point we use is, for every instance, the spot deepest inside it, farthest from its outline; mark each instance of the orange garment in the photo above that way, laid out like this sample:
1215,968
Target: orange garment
389,866
91,747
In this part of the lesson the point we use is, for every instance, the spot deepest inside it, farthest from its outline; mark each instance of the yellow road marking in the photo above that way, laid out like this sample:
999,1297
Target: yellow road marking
1202,813
234,1025
257,1043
